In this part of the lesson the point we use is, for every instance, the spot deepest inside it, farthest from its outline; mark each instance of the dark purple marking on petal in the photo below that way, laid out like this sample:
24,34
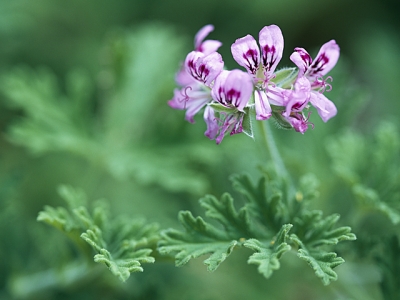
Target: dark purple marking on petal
269,52
305,57
251,58
319,64
233,97
199,73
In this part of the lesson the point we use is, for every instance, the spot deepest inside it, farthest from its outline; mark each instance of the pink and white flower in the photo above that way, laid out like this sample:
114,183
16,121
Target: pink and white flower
261,66
315,71
197,74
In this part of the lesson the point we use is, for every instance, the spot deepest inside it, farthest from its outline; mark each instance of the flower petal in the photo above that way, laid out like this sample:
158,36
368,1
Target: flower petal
298,98
201,35
233,88
326,59
210,46
246,53
301,59
232,123
183,78
204,68
271,42
298,122
211,122
276,95
325,107
262,106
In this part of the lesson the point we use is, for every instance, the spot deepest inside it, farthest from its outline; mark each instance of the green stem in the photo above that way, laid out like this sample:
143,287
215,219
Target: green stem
269,142
274,154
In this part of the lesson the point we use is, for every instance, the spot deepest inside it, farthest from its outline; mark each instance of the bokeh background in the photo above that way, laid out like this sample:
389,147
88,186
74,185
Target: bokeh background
83,93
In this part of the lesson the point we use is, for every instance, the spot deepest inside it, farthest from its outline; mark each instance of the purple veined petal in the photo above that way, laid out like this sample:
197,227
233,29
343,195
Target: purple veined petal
204,68
238,124
262,106
233,88
298,122
218,91
232,123
271,42
211,122
301,59
325,107
297,98
326,59
201,35
276,95
246,53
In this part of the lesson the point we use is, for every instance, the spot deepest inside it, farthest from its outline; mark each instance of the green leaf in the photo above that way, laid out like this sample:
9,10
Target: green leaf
369,198
247,122
264,202
199,238
280,121
285,77
315,231
121,244
224,212
370,165
262,225
267,255
218,107
322,263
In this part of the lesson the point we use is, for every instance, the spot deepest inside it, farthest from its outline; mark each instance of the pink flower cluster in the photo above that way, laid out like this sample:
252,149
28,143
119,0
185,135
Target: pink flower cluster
230,97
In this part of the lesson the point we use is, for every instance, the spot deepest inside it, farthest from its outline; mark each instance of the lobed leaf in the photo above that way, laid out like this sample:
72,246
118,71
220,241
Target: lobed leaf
199,238
261,226
267,255
122,244
322,263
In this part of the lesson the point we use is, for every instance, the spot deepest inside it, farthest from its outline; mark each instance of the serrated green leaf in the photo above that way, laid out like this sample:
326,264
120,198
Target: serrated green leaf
255,225
315,231
122,269
264,203
184,252
59,218
199,238
267,255
322,263
224,211
123,247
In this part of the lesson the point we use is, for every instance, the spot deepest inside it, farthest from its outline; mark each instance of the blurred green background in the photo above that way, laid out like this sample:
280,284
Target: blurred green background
83,93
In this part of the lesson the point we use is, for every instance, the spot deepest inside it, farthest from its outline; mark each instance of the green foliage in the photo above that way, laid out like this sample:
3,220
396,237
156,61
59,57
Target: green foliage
116,122
285,77
371,167
123,245
267,256
389,264
262,224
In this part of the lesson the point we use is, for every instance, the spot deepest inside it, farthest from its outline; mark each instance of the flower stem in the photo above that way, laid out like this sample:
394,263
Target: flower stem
274,154
269,142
